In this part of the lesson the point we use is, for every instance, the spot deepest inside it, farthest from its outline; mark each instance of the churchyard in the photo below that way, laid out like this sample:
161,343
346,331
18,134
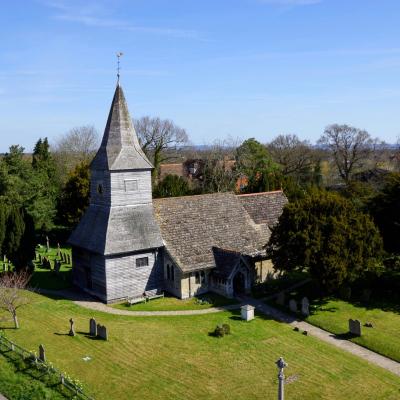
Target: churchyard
379,319
176,358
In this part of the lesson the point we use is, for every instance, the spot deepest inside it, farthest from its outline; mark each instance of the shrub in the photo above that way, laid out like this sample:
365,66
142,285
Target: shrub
227,329
219,331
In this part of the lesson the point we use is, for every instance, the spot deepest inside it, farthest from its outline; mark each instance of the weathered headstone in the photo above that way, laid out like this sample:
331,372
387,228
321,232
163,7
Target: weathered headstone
72,328
293,305
42,353
305,306
102,332
57,266
92,327
247,312
280,299
355,327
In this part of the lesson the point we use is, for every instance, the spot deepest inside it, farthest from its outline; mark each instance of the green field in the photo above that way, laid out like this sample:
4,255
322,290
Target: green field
175,358
170,303
384,338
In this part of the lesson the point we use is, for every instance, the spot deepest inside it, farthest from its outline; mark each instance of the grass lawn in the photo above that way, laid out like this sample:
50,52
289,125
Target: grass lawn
43,278
20,386
170,303
384,338
175,358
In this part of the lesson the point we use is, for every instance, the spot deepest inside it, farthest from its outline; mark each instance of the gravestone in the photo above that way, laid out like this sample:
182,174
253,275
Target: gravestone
47,244
355,327
247,312
92,327
42,353
293,305
280,299
58,250
305,306
102,332
72,328
57,266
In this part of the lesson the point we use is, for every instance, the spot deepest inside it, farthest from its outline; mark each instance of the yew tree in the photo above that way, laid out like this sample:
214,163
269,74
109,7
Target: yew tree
325,234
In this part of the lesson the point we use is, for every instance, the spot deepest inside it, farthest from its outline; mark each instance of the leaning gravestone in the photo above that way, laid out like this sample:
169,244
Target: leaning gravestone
355,327
305,307
92,327
293,305
281,298
102,332
72,328
57,266
42,353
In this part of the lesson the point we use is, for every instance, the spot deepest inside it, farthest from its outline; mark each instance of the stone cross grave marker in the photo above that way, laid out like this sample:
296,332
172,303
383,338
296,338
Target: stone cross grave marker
281,298
72,328
92,327
355,327
293,305
102,332
42,353
305,307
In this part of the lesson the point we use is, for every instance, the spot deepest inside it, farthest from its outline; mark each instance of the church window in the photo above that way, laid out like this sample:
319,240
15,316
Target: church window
131,185
202,277
168,272
142,262
172,273
197,277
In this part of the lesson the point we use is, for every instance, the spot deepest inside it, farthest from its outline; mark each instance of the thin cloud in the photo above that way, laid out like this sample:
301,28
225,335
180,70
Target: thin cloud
88,15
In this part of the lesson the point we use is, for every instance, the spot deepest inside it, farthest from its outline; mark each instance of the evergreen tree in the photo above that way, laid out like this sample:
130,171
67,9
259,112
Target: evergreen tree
3,221
15,228
172,186
75,195
326,235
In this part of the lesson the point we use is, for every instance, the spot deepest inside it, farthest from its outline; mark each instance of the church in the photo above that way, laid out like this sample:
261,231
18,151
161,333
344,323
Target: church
128,245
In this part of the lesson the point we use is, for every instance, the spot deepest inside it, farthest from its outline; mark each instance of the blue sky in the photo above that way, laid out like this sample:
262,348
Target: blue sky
239,68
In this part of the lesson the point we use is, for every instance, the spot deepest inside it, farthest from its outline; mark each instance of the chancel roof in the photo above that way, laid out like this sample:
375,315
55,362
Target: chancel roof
191,226
120,148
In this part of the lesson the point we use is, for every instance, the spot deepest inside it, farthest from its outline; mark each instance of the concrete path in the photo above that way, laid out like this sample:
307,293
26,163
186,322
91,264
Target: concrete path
328,337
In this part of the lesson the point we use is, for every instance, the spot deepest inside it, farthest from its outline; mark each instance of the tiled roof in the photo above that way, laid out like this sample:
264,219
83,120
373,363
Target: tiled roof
192,225
264,208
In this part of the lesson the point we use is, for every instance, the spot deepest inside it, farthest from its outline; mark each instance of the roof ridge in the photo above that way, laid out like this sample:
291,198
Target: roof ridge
260,193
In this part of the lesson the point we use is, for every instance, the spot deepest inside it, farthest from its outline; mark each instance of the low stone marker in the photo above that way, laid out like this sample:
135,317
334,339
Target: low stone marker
247,312
280,299
57,266
102,332
305,307
355,327
293,305
92,327
42,353
72,328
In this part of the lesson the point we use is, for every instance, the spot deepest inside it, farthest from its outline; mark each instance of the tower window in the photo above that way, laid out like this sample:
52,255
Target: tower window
131,185
99,188
142,262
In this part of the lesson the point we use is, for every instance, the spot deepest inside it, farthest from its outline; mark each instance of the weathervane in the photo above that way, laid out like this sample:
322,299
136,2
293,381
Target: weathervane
119,55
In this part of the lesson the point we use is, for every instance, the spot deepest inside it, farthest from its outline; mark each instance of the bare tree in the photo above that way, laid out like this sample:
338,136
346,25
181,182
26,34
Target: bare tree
77,145
295,156
158,135
11,292
350,147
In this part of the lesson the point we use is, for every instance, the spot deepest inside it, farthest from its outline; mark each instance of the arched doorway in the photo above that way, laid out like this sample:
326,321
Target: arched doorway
239,283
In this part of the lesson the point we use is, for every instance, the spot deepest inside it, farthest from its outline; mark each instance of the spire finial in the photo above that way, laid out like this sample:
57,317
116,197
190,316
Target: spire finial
119,55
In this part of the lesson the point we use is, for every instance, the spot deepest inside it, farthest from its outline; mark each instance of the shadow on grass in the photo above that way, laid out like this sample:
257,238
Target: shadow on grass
345,336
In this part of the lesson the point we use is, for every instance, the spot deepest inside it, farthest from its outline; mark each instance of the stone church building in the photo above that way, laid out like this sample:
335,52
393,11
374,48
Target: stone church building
128,244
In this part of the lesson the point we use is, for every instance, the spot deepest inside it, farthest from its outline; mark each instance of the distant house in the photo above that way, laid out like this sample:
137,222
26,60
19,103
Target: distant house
128,244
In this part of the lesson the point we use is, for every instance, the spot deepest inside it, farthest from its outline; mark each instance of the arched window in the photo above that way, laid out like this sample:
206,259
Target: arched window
197,277
172,273
168,272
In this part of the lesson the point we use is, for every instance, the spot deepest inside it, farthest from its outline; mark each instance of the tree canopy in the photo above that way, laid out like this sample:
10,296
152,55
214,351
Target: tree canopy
326,235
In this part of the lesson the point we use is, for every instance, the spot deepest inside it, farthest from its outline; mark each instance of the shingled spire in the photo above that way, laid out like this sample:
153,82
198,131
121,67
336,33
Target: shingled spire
120,148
